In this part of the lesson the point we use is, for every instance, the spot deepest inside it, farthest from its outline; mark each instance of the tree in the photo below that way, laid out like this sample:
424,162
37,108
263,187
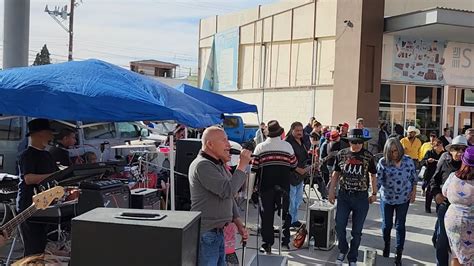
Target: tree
42,58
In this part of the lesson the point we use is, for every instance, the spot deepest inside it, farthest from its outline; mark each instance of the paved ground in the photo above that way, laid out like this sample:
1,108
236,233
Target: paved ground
418,247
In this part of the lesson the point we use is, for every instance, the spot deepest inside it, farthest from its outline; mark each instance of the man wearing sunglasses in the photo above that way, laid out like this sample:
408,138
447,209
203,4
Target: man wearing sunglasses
449,162
353,168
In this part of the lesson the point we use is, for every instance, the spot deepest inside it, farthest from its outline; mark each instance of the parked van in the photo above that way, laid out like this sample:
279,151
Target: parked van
90,137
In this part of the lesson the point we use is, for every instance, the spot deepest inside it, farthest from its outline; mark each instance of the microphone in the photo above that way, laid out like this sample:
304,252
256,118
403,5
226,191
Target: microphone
233,151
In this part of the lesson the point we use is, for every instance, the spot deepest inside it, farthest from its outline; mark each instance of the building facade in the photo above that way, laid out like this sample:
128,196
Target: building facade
154,68
405,62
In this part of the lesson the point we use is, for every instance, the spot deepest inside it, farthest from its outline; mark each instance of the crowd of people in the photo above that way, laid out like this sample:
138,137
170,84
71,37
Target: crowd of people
345,171
336,159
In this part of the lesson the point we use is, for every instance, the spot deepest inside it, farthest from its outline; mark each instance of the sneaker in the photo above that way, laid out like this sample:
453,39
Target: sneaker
285,246
296,224
266,249
340,258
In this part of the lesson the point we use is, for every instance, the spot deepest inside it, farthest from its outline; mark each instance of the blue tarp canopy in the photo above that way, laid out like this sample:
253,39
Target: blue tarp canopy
220,102
97,91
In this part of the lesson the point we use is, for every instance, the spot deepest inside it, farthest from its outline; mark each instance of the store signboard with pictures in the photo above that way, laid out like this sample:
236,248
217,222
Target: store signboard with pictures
418,60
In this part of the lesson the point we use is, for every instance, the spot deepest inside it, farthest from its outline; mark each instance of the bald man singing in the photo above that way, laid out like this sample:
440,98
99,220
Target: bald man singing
212,193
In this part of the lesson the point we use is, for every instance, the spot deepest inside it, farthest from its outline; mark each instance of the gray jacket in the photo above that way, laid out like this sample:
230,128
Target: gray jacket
212,189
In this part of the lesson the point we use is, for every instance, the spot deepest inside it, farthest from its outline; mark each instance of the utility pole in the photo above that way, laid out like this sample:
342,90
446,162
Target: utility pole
71,24
63,14
16,32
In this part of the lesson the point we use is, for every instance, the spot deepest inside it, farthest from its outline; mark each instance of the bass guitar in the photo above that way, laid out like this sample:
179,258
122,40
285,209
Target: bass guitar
41,201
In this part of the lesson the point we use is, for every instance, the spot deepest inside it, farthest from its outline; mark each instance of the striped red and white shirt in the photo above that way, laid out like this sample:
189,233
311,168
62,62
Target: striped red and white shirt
273,163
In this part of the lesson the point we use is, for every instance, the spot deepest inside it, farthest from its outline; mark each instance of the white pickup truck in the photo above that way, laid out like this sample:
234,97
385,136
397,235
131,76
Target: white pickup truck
90,136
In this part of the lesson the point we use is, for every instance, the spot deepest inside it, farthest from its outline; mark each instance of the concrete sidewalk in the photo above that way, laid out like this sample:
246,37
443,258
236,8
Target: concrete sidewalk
418,246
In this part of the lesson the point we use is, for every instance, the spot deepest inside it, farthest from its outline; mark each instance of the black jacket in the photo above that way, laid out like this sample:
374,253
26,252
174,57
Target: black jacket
382,139
430,167
61,154
446,165
444,140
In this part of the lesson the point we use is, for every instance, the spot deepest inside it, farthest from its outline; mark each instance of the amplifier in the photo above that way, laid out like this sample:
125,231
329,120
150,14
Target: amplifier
110,196
106,236
145,198
322,224
186,151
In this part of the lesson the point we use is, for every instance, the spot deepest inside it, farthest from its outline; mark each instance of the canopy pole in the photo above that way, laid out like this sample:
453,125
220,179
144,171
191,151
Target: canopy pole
171,154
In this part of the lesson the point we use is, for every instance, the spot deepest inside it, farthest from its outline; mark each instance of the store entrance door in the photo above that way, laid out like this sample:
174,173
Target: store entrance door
463,119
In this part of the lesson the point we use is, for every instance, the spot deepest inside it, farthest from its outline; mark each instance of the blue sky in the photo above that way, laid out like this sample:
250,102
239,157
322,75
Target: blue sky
119,31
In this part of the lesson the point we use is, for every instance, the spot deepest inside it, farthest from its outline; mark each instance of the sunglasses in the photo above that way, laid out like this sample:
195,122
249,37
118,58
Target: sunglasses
458,149
356,142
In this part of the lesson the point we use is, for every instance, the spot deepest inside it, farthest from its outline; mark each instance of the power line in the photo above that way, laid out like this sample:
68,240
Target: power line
180,56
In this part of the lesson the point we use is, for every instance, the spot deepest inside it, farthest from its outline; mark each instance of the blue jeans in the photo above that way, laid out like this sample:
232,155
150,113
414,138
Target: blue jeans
296,197
211,250
441,238
358,204
401,210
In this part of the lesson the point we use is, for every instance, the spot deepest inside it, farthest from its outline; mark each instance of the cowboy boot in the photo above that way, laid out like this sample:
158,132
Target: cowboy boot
398,258
386,249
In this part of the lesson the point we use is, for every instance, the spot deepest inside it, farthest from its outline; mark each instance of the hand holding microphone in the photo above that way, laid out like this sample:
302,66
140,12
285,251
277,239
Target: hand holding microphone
244,159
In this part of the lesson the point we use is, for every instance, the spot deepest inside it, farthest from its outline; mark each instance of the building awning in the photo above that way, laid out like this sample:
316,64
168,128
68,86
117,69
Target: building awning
440,23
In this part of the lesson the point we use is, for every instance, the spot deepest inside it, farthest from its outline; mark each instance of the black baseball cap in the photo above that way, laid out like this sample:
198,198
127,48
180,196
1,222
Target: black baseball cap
37,125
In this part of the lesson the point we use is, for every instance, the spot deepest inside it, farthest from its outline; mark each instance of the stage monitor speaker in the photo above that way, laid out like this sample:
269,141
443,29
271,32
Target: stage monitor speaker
106,236
267,260
145,198
114,197
186,151
322,224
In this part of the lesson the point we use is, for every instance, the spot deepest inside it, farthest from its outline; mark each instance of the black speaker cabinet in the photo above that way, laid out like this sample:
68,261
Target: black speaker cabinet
145,198
322,225
186,151
115,197
106,236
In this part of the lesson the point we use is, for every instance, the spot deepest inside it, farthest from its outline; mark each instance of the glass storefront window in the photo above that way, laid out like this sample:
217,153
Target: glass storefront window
465,121
425,118
392,93
394,114
423,95
465,97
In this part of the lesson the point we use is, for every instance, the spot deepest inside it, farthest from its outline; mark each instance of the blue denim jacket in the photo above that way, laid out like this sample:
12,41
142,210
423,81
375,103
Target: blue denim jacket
396,183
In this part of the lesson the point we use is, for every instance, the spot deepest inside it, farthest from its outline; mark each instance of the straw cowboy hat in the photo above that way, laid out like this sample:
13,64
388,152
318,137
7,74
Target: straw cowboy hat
413,129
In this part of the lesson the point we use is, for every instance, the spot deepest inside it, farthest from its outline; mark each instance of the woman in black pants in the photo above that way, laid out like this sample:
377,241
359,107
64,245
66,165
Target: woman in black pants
430,161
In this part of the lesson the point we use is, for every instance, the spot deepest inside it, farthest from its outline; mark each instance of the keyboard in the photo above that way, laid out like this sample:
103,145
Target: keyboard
100,184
